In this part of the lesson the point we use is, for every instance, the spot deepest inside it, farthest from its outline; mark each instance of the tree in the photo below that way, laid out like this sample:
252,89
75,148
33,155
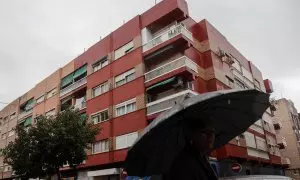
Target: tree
53,142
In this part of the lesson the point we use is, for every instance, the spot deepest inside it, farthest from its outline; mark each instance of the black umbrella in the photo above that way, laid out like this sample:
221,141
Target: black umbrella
230,112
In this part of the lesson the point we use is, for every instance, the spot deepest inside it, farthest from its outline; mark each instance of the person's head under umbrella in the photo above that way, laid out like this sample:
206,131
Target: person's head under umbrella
200,134
192,162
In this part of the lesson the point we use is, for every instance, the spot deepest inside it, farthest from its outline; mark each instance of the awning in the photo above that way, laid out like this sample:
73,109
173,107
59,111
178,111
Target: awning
103,172
66,80
28,121
80,71
161,83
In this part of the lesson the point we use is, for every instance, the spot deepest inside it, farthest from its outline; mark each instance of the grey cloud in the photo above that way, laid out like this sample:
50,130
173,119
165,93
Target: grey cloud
39,36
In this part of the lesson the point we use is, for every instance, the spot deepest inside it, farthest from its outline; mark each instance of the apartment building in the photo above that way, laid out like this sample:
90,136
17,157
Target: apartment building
140,70
287,116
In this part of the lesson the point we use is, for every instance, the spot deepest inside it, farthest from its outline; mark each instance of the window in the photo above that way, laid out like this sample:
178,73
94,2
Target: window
11,133
100,64
239,84
230,82
247,74
124,50
3,136
13,115
125,77
51,93
126,107
100,117
40,99
50,113
236,65
101,146
125,141
257,84
7,168
102,88
5,120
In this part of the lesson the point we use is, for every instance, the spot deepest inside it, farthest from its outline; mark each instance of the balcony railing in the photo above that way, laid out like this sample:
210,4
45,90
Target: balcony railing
169,34
72,87
168,102
171,66
24,114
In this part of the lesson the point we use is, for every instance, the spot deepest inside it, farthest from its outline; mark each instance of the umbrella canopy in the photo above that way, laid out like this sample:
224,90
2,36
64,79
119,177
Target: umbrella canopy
230,112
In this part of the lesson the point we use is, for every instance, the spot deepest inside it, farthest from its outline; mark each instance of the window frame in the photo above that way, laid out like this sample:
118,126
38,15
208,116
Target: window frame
13,115
100,86
125,104
100,63
53,90
37,99
124,77
50,111
99,115
126,135
123,50
101,151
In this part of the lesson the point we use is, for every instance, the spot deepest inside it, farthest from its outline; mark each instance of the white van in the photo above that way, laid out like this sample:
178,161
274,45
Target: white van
256,177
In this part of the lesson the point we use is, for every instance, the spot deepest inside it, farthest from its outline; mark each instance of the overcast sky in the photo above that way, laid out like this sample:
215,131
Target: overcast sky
38,36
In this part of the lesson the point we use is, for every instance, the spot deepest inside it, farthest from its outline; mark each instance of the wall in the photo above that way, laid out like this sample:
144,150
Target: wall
291,151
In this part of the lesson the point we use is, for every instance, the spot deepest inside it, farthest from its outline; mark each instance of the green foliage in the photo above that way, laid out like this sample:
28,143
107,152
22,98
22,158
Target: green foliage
52,142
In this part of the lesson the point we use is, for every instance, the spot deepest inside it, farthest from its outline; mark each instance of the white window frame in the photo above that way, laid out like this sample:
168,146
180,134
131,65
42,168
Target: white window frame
125,104
40,99
101,86
11,133
50,113
128,47
100,64
127,144
106,149
124,76
99,114
51,93
13,115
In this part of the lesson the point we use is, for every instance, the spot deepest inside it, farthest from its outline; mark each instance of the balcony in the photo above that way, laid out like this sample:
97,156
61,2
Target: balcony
167,35
168,102
171,66
73,86
24,114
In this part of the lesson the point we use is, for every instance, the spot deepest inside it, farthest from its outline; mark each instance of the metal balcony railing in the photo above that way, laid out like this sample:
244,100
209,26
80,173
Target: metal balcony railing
24,114
166,35
168,102
72,87
171,66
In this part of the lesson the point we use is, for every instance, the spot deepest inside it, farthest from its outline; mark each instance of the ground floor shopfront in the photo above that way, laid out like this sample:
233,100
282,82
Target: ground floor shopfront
223,168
